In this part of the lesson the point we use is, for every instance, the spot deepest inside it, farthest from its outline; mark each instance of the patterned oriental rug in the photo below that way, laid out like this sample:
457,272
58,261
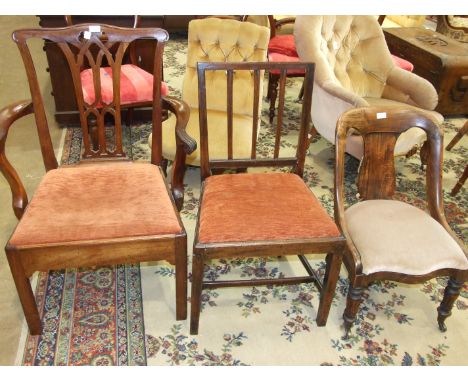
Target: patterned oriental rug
125,315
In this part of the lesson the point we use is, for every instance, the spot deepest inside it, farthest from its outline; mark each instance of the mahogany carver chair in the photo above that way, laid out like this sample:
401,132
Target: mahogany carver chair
214,39
136,84
105,210
259,214
389,239
354,68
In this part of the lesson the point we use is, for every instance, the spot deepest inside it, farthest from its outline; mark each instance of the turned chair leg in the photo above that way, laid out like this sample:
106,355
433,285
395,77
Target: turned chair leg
451,293
329,285
181,277
25,293
424,154
273,91
301,92
352,307
197,283
164,163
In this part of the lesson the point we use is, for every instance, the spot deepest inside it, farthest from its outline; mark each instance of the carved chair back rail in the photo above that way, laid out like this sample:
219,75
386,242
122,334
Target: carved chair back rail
257,70
82,45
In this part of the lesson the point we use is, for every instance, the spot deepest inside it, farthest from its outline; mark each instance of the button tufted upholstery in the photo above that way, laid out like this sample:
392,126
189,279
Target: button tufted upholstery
219,40
353,64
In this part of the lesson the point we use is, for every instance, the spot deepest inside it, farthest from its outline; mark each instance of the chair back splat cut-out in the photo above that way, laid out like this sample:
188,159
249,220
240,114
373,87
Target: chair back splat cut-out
102,49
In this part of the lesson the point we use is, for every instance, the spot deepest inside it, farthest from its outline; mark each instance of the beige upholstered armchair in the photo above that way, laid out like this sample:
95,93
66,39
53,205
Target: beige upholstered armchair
219,40
354,68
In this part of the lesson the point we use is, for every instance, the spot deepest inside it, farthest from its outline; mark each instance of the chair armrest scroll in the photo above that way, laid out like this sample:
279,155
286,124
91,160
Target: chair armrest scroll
182,113
8,115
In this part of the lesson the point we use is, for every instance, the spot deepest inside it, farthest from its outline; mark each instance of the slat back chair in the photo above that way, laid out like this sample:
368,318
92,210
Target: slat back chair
389,239
103,210
228,225
257,72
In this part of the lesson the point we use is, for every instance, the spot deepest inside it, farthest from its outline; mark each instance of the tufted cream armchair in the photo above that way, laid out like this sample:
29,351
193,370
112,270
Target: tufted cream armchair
219,40
354,68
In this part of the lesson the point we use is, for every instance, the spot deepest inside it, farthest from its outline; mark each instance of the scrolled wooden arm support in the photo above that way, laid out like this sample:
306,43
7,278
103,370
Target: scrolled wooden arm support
8,115
185,146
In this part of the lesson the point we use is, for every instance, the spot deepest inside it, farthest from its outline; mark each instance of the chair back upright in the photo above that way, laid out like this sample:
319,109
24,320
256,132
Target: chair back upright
227,72
94,46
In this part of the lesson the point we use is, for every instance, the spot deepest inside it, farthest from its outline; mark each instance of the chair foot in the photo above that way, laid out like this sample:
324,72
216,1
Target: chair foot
352,306
197,285
451,293
332,272
181,278
25,294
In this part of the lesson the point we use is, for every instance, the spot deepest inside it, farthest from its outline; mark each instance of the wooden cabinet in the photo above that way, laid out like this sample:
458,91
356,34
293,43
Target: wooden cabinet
66,112
437,58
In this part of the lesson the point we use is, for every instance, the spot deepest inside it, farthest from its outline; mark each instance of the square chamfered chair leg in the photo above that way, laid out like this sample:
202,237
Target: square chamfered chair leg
25,293
332,273
197,285
181,277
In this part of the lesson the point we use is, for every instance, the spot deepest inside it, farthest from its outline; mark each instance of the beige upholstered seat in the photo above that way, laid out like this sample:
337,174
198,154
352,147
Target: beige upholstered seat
392,236
219,40
354,68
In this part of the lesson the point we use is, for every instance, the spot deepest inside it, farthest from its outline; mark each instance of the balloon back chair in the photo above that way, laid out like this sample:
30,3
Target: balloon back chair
354,68
106,209
258,214
389,239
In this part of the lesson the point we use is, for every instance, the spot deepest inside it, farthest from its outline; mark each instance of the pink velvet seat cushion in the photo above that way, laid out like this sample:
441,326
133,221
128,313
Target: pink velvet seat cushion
259,207
402,63
278,57
283,44
99,201
136,85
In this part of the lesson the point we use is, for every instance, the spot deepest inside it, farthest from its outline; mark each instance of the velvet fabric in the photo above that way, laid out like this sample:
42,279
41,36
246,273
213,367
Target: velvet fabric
259,207
283,44
136,85
99,201
394,236
278,57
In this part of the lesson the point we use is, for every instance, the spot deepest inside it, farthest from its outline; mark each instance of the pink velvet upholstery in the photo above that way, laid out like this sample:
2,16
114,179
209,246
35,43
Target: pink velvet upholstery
100,201
278,57
402,63
136,85
283,44
259,207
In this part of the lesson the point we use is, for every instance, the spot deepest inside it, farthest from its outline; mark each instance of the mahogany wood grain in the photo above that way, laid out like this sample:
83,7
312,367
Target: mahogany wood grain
204,252
376,180
107,46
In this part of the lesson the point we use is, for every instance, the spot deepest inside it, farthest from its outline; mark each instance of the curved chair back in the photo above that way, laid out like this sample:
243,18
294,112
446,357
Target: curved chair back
223,40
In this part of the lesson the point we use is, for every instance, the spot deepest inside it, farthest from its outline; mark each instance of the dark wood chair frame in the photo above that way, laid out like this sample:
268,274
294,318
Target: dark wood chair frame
377,180
24,260
462,132
273,78
205,252
134,60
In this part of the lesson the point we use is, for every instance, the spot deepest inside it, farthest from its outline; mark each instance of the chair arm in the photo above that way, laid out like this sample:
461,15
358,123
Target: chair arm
340,92
8,115
182,113
185,145
411,89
